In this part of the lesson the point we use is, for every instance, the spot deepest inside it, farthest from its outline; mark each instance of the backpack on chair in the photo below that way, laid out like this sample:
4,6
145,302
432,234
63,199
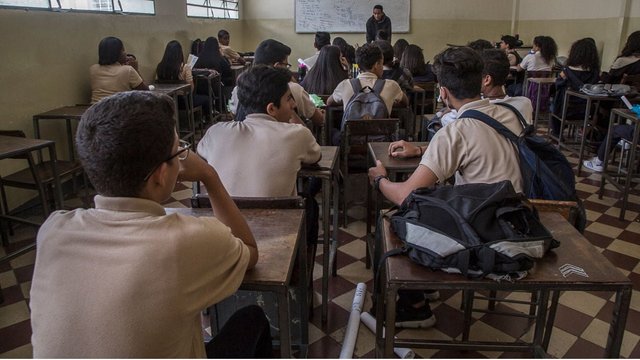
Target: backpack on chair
365,103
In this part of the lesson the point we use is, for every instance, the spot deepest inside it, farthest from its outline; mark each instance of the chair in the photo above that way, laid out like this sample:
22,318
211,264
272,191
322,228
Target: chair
356,135
209,83
37,176
430,97
531,91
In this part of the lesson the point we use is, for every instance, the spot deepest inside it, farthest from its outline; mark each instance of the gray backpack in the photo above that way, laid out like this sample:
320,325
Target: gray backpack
365,103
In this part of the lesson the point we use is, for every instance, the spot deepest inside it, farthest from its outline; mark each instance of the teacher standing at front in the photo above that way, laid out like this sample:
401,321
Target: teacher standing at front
378,25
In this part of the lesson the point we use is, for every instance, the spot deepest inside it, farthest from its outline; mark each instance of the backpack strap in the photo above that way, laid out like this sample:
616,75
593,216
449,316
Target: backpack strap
378,86
488,120
355,85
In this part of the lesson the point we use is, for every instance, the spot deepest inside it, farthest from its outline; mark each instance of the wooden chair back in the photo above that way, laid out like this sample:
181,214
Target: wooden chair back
428,106
356,135
287,202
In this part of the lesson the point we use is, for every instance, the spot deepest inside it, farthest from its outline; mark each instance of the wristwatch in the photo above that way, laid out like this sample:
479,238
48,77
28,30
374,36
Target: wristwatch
376,181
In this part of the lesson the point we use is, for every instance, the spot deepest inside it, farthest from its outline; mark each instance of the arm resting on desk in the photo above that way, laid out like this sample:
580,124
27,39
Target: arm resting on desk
396,192
194,168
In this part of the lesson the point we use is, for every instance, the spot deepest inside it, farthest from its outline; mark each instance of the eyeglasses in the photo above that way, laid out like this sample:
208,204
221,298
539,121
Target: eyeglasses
287,65
181,154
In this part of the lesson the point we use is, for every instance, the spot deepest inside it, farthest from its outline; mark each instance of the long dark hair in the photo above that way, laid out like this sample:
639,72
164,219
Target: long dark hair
210,53
413,60
110,50
170,65
632,46
399,47
327,73
548,48
584,53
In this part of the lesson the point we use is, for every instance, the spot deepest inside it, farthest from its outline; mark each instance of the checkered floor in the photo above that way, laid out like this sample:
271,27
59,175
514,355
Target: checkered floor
580,329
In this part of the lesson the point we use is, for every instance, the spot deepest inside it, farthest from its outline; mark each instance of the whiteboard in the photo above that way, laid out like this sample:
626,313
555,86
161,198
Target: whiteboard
335,16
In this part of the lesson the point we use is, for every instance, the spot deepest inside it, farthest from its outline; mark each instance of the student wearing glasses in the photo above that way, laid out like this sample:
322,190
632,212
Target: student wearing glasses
125,279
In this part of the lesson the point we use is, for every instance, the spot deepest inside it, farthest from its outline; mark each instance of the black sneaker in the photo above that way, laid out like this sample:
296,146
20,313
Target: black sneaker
411,317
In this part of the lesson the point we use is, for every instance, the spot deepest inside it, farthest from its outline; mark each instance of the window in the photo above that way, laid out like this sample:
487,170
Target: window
125,6
214,9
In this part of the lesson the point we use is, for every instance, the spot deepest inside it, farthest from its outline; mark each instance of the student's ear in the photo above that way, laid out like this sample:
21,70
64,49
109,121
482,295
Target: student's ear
271,109
487,80
159,177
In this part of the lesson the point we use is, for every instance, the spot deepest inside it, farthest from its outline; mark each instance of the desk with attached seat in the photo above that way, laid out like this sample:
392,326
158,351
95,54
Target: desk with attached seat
547,277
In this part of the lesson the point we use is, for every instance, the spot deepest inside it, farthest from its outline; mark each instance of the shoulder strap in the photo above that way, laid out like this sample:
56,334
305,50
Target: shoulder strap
515,111
355,85
572,77
378,86
497,126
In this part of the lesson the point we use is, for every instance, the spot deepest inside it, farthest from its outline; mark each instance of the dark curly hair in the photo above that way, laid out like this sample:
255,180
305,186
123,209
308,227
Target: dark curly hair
584,53
367,56
496,64
548,48
632,46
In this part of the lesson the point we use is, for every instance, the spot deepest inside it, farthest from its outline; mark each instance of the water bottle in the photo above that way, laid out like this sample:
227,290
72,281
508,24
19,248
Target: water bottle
302,72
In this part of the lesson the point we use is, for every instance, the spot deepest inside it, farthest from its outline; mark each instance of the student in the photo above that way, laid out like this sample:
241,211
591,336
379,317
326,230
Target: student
173,69
494,77
508,44
542,56
321,40
115,71
370,61
467,148
211,58
327,73
126,279
267,150
231,55
582,67
378,21
627,62
393,71
619,132
398,49
274,53
413,61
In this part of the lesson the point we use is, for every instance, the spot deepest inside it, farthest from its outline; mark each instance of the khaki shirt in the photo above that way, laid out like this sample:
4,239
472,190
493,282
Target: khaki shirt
107,80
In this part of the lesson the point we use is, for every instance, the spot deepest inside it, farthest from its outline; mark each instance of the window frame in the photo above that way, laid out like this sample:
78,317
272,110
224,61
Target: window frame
227,9
116,8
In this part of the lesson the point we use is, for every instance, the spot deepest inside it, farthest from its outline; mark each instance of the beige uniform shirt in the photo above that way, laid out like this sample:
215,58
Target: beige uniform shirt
259,157
230,54
391,91
110,79
475,152
125,280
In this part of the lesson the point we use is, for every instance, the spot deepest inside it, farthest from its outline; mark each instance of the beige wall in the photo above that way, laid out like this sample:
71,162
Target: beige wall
46,55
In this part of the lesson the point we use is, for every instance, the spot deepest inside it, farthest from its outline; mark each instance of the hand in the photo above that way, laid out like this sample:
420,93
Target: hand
132,61
377,171
194,168
403,149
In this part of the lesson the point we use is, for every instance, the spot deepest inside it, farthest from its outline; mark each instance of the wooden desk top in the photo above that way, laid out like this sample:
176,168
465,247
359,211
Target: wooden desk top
65,112
626,113
380,151
12,146
542,80
276,232
574,249
326,164
170,89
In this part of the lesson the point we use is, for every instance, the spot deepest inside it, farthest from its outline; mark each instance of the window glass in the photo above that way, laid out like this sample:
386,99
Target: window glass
215,9
127,6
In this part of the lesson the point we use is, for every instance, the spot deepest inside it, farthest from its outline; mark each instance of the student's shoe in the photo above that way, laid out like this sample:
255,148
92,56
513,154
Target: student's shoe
594,164
432,295
414,318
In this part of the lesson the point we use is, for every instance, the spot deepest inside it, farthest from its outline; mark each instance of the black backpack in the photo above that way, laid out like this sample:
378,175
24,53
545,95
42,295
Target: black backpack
365,103
476,230
546,173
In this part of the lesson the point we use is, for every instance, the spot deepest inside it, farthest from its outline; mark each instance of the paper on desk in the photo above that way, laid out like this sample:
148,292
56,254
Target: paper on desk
191,60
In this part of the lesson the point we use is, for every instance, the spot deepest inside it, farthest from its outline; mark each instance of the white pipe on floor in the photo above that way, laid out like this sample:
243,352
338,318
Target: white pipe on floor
351,332
370,322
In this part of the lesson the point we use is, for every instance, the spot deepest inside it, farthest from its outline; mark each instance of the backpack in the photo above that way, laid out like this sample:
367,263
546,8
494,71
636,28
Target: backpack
476,230
546,173
365,103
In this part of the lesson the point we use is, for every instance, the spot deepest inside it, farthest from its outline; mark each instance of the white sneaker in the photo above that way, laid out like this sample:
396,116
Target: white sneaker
594,164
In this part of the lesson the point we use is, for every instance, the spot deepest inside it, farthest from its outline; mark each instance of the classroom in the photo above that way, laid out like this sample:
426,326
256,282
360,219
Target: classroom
589,284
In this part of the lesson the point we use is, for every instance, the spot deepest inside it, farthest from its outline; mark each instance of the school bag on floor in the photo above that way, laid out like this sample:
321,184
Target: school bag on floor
476,230
365,103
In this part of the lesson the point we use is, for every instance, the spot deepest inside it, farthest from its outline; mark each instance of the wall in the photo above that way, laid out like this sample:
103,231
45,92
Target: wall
46,56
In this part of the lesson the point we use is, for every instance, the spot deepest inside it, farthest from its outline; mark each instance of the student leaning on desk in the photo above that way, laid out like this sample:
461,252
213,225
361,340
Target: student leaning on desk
125,279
